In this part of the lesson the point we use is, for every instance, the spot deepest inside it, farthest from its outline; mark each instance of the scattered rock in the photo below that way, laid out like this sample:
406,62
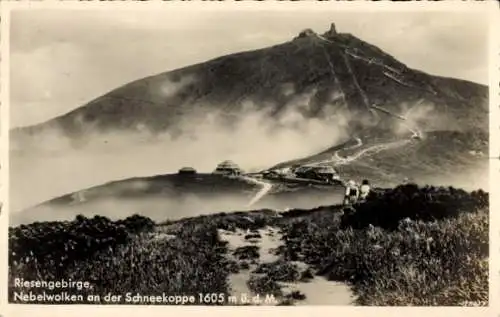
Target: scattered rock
253,236
296,295
244,265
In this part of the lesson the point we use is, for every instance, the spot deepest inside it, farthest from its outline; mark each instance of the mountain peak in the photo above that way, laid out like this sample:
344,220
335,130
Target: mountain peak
313,76
309,33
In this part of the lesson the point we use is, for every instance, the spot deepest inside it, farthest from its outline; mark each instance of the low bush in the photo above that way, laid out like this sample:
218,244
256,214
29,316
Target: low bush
386,208
55,245
248,252
264,285
279,271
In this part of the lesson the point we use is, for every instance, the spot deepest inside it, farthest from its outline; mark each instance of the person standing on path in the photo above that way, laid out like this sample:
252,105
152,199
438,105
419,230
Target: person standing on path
351,193
364,190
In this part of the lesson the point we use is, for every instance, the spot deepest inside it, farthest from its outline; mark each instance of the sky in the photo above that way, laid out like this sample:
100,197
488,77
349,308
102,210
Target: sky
61,59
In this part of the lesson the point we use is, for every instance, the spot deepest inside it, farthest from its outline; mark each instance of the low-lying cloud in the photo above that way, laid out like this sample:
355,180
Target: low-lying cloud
254,140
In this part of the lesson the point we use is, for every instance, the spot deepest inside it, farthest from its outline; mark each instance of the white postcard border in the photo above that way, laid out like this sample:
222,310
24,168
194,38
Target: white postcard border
186,6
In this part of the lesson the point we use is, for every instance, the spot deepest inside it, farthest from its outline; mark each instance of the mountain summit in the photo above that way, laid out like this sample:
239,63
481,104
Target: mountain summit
329,99
313,75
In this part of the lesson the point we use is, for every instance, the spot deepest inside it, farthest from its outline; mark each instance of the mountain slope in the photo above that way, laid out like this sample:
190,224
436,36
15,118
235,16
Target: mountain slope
160,197
303,101
314,75
175,196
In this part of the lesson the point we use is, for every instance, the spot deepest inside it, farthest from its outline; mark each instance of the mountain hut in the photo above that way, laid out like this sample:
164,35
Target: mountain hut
228,168
187,171
322,173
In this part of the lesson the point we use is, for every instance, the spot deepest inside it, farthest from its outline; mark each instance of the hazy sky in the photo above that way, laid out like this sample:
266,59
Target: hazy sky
62,59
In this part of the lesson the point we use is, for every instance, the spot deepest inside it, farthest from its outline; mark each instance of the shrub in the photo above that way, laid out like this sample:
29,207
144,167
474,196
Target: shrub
280,271
248,252
264,285
385,209
52,246
306,275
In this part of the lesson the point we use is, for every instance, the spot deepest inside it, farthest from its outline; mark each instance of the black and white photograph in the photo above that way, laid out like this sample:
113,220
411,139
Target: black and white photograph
218,155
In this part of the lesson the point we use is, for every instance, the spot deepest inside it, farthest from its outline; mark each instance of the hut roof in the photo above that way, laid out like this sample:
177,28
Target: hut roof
325,170
228,164
187,170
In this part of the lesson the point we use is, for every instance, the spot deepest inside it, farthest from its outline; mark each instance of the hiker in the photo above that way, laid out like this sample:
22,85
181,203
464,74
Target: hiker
364,190
351,193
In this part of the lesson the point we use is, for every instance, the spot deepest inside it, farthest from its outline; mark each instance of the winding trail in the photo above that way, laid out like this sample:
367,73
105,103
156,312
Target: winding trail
336,159
372,149
391,73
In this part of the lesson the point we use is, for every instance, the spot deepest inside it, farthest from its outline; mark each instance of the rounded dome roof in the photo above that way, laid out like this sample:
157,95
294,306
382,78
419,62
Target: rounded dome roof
187,169
228,164
326,170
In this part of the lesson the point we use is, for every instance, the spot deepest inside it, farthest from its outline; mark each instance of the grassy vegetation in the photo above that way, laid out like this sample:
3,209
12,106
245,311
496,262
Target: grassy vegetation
404,246
436,263
131,259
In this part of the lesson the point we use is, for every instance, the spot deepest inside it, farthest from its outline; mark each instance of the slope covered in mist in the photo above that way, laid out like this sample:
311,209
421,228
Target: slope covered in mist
307,99
331,76
175,196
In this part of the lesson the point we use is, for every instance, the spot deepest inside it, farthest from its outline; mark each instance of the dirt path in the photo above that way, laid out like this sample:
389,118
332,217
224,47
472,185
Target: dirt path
266,187
336,159
317,291
369,150
267,242
390,72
